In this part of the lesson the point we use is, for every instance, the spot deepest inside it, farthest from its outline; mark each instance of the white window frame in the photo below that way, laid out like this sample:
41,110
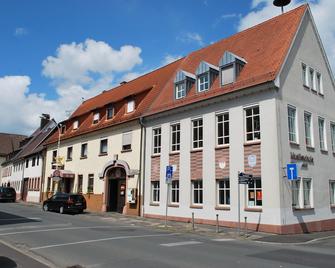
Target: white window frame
127,135
332,135
203,83
199,143
130,106
110,108
101,152
155,192
304,74
299,193
311,75
309,130
180,90
174,192
293,135
96,118
332,192
156,140
75,125
222,123
225,190
175,133
85,144
197,191
252,116
319,83
254,189
322,134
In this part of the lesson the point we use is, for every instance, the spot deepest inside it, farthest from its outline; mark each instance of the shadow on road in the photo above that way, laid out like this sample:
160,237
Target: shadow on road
8,218
7,262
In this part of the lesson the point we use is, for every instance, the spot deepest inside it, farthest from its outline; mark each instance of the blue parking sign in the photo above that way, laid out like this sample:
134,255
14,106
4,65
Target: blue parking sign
169,174
292,171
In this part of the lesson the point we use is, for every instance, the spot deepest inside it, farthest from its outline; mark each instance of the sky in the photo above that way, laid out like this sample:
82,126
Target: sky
55,54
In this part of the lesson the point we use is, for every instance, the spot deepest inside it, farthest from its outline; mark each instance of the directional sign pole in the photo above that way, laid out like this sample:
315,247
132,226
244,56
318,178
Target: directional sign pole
239,206
167,202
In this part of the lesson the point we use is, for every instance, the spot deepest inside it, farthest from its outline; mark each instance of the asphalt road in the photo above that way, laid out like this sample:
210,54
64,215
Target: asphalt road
92,241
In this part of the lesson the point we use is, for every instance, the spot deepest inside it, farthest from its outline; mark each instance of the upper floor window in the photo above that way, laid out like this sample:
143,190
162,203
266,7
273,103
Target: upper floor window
227,75
110,112
75,125
183,82
126,141
252,121
332,134
69,153
319,85
231,66
157,140
311,78
222,123
322,134
304,74
175,137
197,133
103,146
203,82
180,90
292,124
308,129
96,118
332,192
83,152
130,106
33,162
54,156
63,129
27,163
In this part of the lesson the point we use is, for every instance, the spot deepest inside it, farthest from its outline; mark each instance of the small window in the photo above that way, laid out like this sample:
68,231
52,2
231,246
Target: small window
252,121
103,146
255,193
90,184
130,106
322,134
332,192
175,137
197,133
63,129
27,163
308,129
33,162
54,156
292,124
311,78
75,125
157,140
203,82
223,192
304,75
180,90
319,85
332,134
222,130
110,112
96,118
69,153
83,152
227,75
197,192
38,160
80,184
126,141
174,191
155,189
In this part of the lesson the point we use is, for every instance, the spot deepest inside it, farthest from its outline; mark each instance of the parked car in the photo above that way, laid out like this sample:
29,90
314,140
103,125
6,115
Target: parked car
7,194
63,202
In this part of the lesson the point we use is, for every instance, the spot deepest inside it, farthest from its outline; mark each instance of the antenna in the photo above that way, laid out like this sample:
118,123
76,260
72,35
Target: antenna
281,3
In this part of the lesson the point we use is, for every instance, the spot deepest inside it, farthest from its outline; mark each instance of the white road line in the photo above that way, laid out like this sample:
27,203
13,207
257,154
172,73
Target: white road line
35,226
101,240
185,243
62,229
20,219
223,239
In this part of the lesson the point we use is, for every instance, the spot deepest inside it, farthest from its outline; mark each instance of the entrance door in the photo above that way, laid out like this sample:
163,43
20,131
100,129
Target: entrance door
117,195
68,184
121,195
25,189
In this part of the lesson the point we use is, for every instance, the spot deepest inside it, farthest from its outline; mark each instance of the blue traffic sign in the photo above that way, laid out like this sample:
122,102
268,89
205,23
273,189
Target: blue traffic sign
292,171
169,174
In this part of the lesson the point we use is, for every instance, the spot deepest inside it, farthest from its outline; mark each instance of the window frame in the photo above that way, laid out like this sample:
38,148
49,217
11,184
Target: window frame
90,187
311,78
197,192
101,151
203,83
304,74
155,192
96,118
332,192
294,124
310,130
75,125
319,83
108,115
130,106
323,135
299,193
125,146
252,116
229,66
224,134
254,189
68,154
174,192
180,87
332,135
175,135
225,190
84,150
156,140
199,143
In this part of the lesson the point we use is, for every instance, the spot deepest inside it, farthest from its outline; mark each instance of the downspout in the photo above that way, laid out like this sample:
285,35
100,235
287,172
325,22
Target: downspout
141,187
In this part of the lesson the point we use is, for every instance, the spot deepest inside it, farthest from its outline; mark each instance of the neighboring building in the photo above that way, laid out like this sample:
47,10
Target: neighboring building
100,146
249,103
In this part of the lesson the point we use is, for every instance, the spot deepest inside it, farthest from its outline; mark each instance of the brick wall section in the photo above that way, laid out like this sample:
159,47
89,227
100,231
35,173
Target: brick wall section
174,160
221,155
196,165
256,150
94,202
155,168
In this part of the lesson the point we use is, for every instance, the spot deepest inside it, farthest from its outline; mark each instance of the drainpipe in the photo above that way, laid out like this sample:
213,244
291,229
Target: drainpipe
141,187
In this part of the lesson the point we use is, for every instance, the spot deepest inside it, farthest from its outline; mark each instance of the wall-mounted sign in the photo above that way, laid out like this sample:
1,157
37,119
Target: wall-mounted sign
292,171
304,158
252,160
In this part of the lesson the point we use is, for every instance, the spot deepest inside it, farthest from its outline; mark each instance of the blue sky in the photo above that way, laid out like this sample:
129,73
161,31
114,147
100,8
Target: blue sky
43,42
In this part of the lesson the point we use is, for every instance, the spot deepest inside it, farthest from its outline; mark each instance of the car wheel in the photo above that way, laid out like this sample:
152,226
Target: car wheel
61,210
45,207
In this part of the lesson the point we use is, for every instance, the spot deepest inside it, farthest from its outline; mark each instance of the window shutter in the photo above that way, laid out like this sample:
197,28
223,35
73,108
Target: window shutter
126,138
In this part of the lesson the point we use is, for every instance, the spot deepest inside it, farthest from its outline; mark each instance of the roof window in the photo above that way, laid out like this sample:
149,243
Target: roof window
130,106
183,82
206,74
230,67
96,118
75,125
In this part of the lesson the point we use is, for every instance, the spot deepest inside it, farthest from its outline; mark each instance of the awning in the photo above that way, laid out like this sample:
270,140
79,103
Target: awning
66,174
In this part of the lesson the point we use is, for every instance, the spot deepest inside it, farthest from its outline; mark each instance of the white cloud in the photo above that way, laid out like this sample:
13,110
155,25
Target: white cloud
77,71
191,37
322,11
170,58
20,31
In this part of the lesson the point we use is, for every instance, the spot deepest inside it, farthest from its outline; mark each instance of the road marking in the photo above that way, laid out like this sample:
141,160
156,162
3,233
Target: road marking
101,240
62,229
185,243
223,239
20,219
35,226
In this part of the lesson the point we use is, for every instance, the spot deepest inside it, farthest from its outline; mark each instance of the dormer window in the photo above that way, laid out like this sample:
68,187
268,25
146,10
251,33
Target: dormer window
183,82
75,125
206,74
110,112
63,129
130,106
96,118
230,67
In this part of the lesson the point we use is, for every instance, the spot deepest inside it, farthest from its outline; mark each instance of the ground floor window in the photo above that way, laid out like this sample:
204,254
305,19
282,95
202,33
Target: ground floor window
90,184
197,192
155,189
223,192
80,184
301,193
174,190
332,192
48,184
255,195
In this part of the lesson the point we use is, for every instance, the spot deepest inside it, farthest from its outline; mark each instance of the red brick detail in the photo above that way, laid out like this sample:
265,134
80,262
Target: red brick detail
252,149
155,168
94,202
304,227
175,160
196,165
222,158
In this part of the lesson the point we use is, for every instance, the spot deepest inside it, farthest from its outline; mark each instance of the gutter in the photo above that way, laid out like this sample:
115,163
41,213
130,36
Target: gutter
141,186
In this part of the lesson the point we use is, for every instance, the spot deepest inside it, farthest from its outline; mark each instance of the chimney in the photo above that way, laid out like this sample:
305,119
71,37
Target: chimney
123,82
45,118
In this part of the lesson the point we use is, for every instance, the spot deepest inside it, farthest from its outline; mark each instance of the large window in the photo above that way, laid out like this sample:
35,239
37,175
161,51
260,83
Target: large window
157,140
174,190
155,189
90,184
197,133
255,195
203,82
223,192
308,129
69,153
222,123
332,134
197,192
180,89
83,152
332,192
126,141
292,124
302,193
322,134
252,122
103,146
175,137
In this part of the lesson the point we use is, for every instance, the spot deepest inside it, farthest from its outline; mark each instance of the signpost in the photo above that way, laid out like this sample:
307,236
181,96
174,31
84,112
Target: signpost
168,180
245,179
292,171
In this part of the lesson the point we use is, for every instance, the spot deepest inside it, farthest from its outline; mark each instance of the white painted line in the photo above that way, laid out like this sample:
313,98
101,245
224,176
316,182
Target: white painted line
223,239
20,219
62,229
101,240
185,243
35,226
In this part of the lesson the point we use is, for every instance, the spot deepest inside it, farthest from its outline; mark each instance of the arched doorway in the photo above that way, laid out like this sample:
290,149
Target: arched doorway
116,187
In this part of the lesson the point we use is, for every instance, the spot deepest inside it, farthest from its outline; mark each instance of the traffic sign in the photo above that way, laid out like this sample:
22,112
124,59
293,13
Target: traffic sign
292,171
244,178
169,174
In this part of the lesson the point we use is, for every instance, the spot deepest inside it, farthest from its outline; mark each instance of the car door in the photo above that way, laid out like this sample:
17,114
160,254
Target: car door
51,202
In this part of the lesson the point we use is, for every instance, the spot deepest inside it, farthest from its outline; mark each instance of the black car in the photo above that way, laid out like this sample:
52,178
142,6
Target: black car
64,202
7,194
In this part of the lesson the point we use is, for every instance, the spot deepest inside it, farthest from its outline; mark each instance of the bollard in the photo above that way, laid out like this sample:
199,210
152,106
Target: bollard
193,221
245,226
217,223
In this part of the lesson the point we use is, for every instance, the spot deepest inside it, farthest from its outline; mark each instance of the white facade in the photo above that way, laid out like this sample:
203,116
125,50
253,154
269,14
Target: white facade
33,168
